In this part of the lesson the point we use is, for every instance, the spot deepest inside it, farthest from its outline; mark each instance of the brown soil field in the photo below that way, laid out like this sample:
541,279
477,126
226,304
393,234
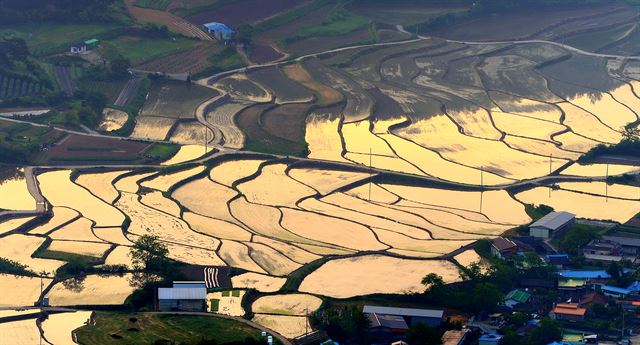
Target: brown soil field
286,121
194,61
258,138
174,23
248,12
263,52
78,148
326,95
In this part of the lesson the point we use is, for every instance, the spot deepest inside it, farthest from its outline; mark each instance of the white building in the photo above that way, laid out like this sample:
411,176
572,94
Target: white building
553,224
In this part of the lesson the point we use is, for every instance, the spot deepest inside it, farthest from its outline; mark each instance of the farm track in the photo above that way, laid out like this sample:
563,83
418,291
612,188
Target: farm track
128,91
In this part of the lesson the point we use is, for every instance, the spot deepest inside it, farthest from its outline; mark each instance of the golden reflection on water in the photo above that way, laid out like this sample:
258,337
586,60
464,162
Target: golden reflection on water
582,205
14,194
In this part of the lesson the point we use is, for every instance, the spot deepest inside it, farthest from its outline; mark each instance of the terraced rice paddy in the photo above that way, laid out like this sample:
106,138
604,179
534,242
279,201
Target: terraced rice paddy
260,282
57,328
152,127
363,275
24,332
466,121
94,289
188,153
20,290
581,204
112,119
15,195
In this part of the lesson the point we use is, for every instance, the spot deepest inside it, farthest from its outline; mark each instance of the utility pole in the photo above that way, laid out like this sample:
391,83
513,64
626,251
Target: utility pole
370,174
550,163
606,187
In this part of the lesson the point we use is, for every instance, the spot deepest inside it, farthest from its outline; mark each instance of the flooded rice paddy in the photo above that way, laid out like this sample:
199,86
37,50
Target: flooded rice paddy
268,216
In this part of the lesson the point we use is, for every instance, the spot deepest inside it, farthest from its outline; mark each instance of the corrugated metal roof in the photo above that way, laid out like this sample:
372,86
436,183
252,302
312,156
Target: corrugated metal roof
218,27
584,274
554,220
182,293
615,289
404,311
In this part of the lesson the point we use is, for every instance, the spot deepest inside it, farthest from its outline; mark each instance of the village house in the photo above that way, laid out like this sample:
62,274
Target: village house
503,247
567,312
574,279
605,251
559,261
430,317
552,225
455,337
183,296
515,297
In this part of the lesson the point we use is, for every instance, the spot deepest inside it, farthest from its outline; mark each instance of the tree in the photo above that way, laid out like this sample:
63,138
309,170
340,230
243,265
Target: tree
245,33
149,254
615,270
421,334
432,281
631,133
486,296
547,332
120,66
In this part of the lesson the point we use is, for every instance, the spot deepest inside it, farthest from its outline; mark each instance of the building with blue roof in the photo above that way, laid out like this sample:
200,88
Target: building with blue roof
591,274
220,31
613,291
634,287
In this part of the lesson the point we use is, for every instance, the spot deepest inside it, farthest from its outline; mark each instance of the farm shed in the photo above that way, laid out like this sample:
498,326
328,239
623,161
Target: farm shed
77,48
91,43
553,224
183,296
429,317
503,247
220,31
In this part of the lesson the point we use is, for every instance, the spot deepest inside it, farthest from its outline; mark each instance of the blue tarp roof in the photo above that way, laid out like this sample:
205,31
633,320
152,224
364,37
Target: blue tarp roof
219,27
635,286
584,274
490,337
615,289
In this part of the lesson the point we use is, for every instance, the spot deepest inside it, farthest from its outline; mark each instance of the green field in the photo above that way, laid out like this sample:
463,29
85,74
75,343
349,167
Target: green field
161,151
407,13
121,328
47,38
140,49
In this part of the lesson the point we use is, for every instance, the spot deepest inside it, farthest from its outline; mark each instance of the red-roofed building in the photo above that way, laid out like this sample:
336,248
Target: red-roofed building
567,312
592,298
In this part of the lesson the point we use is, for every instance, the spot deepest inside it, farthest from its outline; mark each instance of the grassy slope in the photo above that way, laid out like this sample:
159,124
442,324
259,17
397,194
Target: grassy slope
150,328
44,38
